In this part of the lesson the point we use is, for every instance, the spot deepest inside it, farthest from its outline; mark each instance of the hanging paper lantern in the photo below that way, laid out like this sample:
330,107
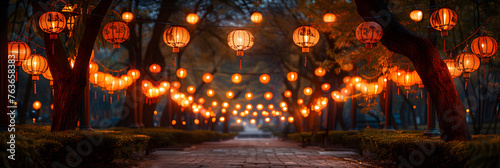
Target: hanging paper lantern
406,80
256,17
260,106
116,32
237,106
300,101
47,75
128,80
375,88
70,24
236,78
270,106
356,79
443,20
207,77
268,95
155,68
37,105
320,71
240,40
484,47
35,65
93,67
192,18
308,91
325,86
201,100
191,89
329,18
134,73
416,79
214,103
369,33
290,119
467,62
248,107
52,23
264,78
382,80
347,67
20,50
210,92
248,95
176,37
347,79
229,94
452,67
345,91
287,93
181,73
165,85
305,37
176,84
396,75
292,76
127,16
416,15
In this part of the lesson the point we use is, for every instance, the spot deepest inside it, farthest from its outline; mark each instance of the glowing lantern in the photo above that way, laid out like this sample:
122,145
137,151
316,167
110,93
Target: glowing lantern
222,119
238,121
174,122
235,112
416,15
300,101
127,16
214,103
347,67
210,93
308,91
225,104
304,111
265,113
223,111
20,50
443,20
229,94
329,18
347,80
192,18
52,106
181,73
191,89
237,106
93,67
268,95
290,119
320,72
236,78
176,37
452,67
67,8
345,91
196,121
116,32
47,75
267,119
406,80
287,93
248,95
382,81
282,104
270,106
252,121
285,108
52,23
37,105
134,73
255,114
369,33
176,84
207,77
484,47
240,40
292,76
335,94
260,106
325,86
201,100
249,107
71,62
256,17
305,37
375,88
165,85
416,79
154,68
264,78
35,65
127,79
467,62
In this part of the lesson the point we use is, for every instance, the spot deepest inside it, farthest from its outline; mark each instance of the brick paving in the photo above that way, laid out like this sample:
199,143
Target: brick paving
245,153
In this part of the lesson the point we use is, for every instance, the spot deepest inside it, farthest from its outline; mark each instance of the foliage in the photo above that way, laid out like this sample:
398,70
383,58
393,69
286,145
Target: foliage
402,147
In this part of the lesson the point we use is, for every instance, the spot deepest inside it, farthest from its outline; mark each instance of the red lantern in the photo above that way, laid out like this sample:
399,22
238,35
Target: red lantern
52,23
20,50
176,37
467,62
264,78
320,72
292,76
207,77
116,32
305,37
452,67
192,18
329,18
369,33
181,73
127,16
484,47
443,20
154,68
416,15
256,17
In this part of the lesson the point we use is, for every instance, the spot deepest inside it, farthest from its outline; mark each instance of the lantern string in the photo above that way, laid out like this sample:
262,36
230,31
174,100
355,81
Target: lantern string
110,70
18,32
467,39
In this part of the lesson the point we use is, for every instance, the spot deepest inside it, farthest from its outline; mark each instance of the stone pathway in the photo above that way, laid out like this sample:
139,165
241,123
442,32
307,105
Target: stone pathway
253,153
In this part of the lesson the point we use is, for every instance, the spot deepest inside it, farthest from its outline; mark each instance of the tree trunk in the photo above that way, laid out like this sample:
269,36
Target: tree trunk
69,84
428,64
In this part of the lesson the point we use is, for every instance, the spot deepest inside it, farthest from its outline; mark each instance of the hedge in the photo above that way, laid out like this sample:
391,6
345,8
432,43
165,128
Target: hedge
412,149
36,146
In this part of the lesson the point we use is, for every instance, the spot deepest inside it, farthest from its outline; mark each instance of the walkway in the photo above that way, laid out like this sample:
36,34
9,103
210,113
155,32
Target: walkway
252,153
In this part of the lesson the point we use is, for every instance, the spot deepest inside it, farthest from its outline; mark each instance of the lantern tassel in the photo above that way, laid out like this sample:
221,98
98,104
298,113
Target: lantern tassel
240,62
407,92
125,93
110,99
305,62
16,76
52,48
95,94
103,97
421,93
35,87
116,55
118,97
465,84
175,61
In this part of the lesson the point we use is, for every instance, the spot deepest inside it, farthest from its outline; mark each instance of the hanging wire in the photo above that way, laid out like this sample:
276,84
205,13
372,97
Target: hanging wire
18,32
451,49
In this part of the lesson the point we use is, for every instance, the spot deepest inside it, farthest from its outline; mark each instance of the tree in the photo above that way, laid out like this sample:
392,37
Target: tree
428,64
